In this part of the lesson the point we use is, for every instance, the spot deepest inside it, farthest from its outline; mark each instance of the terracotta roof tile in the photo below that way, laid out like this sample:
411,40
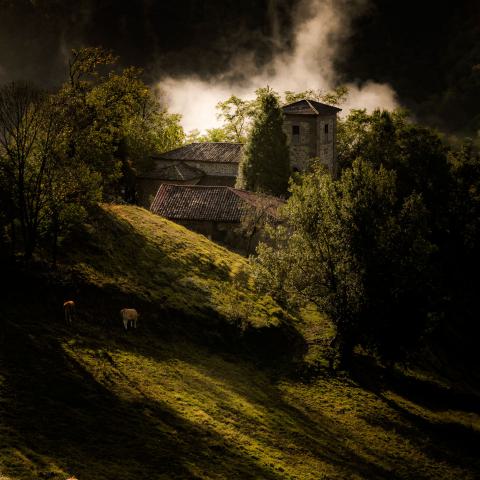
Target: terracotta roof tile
194,202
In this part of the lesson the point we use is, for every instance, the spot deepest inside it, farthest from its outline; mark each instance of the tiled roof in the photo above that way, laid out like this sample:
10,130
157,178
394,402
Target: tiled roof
178,172
309,107
205,203
218,152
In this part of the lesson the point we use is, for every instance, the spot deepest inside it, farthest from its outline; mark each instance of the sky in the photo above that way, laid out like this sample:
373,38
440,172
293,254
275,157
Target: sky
419,55
320,29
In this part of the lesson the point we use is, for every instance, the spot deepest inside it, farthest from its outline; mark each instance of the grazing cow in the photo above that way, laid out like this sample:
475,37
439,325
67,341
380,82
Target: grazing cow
69,309
129,317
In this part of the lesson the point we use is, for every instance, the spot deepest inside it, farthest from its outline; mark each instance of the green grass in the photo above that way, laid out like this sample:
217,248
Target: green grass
155,260
91,401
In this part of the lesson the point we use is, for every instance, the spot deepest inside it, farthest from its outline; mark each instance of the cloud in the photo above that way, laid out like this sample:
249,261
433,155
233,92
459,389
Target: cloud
322,31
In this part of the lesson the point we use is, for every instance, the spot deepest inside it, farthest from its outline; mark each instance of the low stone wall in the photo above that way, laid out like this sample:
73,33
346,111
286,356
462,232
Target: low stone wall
225,233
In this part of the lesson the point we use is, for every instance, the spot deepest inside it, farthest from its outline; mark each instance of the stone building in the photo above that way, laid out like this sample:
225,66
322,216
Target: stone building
206,163
217,212
311,129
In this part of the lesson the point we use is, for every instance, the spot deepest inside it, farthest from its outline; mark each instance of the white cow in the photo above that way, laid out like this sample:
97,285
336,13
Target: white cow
129,317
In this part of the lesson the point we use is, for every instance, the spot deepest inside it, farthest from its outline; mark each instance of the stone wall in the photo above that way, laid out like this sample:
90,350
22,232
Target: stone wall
326,141
210,168
217,181
312,141
224,233
304,147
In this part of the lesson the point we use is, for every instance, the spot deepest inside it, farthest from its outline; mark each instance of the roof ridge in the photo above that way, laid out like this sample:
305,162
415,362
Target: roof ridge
311,106
195,186
311,102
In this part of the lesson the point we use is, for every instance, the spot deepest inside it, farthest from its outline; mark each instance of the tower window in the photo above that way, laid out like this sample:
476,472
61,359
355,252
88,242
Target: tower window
326,129
296,134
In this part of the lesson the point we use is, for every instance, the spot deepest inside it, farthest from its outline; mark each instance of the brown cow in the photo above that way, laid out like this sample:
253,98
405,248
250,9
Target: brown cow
129,317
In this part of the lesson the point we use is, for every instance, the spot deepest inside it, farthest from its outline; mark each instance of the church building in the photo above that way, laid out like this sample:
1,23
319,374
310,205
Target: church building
310,127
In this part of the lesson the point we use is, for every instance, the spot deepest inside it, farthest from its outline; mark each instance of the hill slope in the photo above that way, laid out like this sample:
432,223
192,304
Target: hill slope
188,395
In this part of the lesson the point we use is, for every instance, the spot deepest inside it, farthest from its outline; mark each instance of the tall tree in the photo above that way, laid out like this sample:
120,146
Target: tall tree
265,166
33,164
359,252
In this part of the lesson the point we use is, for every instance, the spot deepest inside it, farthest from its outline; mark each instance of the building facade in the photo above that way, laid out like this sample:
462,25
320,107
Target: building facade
311,130
218,212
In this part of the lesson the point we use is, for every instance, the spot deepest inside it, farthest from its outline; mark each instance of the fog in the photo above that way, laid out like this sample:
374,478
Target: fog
322,31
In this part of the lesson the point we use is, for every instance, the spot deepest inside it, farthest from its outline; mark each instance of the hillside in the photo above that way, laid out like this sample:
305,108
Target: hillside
210,386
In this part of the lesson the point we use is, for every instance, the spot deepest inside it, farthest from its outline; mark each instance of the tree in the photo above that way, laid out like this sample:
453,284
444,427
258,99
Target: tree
33,164
237,115
28,134
390,139
256,217
149,129
460,257
62,152
359,253
212,135
115,121
265,166
334,97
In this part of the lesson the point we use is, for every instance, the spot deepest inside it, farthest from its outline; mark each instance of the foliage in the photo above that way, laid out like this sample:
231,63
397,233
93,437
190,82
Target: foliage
337,96
265,166
61,152
359,252
212,135
461,246
238,114
115,121
255,219
38,185
416,153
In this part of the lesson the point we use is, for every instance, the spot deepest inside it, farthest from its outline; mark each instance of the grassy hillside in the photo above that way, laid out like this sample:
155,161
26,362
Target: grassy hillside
197,391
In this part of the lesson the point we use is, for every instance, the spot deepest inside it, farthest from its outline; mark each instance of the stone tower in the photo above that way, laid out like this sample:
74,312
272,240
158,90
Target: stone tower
311,129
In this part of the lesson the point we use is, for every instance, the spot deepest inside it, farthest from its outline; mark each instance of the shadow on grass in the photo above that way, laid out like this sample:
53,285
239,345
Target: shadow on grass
444,440
61,415
59,411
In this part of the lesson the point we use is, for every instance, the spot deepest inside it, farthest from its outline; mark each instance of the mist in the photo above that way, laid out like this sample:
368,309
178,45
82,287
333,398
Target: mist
322,30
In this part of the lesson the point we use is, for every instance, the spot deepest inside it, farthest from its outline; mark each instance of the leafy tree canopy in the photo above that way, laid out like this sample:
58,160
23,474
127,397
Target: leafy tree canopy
265,166
359,252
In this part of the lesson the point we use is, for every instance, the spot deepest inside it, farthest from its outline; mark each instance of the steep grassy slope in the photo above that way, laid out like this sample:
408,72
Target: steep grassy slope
179,398
156,261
